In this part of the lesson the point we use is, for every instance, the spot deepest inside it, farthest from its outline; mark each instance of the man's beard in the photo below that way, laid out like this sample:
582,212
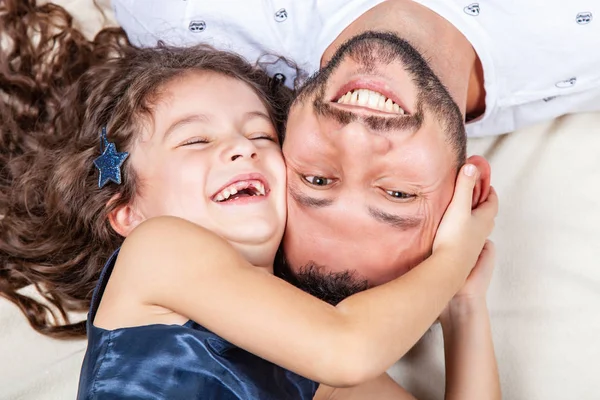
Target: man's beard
331,287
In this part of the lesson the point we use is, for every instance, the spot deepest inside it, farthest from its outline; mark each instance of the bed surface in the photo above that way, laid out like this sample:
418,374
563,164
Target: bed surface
544,299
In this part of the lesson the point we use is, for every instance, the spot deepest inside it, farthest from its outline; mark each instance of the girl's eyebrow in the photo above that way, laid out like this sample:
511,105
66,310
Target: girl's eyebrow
185,120
205,118
255,114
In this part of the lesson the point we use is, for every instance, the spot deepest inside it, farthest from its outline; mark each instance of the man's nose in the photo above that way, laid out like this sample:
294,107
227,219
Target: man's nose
239,148
357,139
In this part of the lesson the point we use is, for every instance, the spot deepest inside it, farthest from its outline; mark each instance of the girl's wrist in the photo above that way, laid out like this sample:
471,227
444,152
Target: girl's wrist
458,254
463,309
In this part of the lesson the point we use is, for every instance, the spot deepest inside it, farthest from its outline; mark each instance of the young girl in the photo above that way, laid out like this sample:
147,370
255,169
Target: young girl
177,150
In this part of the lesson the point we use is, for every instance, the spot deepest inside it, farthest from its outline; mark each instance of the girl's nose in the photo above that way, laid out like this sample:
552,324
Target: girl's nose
240,148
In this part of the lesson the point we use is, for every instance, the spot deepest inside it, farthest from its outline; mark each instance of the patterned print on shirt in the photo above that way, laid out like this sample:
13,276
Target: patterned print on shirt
567,83
281,15
197,26
472,9
584,18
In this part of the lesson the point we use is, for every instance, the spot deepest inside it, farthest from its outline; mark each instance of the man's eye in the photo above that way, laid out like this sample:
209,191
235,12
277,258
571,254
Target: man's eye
318,180
399,195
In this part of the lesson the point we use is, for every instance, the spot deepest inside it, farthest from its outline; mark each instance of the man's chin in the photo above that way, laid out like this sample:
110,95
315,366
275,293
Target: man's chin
331,287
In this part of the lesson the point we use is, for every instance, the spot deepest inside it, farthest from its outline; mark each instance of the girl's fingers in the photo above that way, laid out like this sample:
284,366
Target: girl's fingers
463,191
489,208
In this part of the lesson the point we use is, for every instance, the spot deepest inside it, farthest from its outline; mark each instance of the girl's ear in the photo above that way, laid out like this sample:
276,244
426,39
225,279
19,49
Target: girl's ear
482,188
125,218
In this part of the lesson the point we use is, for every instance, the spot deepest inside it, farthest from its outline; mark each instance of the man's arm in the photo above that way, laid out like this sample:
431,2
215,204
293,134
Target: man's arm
381,388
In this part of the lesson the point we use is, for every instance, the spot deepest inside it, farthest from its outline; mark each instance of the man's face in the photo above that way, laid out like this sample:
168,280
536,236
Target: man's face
371,165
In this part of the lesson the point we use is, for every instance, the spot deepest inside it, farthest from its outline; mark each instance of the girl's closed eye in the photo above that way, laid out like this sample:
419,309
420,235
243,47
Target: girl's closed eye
194,140
264,136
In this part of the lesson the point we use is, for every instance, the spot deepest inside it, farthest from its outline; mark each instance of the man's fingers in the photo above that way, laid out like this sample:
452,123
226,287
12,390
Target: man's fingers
463,191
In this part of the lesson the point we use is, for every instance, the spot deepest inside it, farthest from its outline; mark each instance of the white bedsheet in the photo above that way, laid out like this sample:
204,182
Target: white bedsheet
544,299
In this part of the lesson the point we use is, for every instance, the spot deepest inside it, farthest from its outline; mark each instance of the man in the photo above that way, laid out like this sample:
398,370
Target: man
374,140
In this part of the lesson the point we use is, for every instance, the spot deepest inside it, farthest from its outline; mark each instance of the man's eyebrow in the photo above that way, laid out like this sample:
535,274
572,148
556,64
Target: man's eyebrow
396,221
307,201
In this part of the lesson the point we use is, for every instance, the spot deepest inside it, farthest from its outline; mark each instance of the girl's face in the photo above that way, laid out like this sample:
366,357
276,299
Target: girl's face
212,156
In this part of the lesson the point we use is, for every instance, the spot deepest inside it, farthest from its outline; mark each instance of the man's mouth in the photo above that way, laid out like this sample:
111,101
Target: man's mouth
241,189
371,99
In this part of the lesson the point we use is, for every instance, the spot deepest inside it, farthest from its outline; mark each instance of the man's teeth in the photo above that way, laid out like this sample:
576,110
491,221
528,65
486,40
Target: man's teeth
255,187
369,98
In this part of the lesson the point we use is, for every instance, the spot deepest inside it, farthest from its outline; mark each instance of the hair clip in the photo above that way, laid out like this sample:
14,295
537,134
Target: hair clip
277,80
110,162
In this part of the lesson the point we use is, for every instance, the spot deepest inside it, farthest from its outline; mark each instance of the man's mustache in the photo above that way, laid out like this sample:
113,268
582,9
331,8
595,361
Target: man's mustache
376,123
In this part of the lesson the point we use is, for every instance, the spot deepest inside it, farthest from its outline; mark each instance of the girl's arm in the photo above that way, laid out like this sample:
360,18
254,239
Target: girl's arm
184,268
471,370
381,388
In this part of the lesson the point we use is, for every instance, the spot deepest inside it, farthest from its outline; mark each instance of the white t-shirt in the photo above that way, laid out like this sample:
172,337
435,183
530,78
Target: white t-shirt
541,58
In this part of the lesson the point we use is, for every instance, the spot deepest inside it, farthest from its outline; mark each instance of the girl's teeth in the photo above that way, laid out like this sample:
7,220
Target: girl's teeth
235,188
260,188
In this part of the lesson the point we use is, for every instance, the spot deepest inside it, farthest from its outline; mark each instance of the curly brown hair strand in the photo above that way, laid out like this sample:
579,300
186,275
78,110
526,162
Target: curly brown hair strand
55,233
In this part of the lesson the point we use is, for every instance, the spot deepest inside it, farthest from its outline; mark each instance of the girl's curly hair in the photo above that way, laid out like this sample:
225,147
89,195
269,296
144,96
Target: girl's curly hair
57,91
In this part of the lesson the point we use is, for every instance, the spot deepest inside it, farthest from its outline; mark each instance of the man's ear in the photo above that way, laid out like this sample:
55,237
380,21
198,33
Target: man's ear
482,187
124,219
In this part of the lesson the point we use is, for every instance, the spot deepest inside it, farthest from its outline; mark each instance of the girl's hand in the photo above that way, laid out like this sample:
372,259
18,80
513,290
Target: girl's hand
463,230
478,281
471,368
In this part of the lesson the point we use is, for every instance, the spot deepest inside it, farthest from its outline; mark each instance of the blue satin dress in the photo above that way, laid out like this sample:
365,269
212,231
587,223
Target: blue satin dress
177,362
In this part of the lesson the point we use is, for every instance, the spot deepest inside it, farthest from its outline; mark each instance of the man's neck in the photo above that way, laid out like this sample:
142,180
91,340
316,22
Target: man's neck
447,51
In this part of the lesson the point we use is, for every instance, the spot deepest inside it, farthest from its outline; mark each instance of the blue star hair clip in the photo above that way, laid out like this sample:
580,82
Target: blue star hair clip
110,162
